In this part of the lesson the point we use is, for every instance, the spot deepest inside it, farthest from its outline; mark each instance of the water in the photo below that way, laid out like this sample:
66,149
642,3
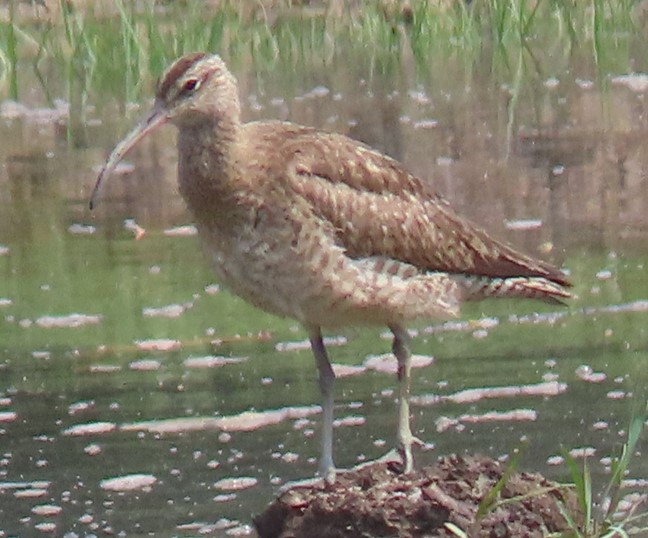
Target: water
104,327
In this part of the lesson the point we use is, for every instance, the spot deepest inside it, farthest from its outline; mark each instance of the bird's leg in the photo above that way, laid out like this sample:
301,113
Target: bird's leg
401,350
326,381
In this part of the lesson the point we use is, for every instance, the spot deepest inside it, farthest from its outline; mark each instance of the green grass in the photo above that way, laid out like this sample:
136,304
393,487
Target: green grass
599,519
593,520
122,54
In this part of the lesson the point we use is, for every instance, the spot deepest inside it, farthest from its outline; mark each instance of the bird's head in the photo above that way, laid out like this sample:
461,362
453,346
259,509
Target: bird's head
197,89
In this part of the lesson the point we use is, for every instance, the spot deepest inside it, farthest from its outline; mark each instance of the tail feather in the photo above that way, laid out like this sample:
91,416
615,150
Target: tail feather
475,288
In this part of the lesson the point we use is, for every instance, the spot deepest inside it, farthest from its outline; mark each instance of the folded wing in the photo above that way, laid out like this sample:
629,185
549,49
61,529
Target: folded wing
378,209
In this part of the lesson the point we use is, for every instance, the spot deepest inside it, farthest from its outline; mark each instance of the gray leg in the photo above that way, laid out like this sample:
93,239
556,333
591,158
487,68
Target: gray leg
401,350
326,381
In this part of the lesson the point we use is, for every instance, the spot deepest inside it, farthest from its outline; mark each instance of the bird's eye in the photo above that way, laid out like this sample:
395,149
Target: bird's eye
190,85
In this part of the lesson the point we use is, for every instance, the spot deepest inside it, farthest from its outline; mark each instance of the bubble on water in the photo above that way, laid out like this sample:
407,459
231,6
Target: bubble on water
252,420
8,416
480,334
181,231
92,450
301,423
159,344
289,457
604,274
145,365
386,362
212,289
636,82
68,321
80,407
305,344
224,497
346,370
168,311
586,373
131,482
241,530
46,510
211,361
523,224
419,96
550,388
551,83
236,483
46,527
172,425
31,493
425,124
81,229
351,420
200,527
104,368
514,415
582,452
90,428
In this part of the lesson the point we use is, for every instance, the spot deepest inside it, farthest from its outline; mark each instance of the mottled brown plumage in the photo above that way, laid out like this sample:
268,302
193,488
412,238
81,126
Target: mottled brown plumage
320,228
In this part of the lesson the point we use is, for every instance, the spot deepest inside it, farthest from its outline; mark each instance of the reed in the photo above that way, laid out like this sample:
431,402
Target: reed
123,51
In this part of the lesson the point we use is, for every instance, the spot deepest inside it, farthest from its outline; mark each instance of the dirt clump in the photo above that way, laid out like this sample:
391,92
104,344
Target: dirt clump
377,501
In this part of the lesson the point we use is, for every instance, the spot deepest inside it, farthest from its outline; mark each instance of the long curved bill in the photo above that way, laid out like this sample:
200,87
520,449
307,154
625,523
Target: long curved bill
153,121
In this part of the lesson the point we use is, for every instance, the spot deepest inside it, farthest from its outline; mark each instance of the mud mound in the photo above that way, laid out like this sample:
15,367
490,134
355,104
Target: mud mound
377,501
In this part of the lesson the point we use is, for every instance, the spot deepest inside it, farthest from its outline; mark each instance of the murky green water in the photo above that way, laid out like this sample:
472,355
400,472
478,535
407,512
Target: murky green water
87,308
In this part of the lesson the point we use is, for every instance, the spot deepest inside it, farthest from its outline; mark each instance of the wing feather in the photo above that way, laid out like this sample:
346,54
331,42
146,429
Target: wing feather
377,208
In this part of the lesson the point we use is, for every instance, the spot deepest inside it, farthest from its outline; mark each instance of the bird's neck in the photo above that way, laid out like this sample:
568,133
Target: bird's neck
207,169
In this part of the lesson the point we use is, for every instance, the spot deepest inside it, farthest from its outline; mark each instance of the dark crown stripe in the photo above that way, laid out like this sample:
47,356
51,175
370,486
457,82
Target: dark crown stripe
176,71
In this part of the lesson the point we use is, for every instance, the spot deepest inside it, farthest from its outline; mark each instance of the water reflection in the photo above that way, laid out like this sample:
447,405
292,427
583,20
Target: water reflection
137,397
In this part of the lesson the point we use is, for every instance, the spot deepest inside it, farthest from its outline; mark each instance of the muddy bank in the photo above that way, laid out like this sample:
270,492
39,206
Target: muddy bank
378,501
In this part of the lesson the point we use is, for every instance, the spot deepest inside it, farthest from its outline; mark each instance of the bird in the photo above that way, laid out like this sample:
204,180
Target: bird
318,227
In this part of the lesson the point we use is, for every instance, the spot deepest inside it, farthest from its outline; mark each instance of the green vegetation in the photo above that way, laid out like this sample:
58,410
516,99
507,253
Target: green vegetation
600,521
119,48
607,519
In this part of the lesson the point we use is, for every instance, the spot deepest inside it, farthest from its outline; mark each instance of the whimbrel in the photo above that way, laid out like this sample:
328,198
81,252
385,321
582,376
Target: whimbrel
320,228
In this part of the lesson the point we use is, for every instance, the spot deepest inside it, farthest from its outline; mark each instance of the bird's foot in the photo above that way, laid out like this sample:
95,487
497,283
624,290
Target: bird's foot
404,449
307,483
397,458
324,477
390,458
